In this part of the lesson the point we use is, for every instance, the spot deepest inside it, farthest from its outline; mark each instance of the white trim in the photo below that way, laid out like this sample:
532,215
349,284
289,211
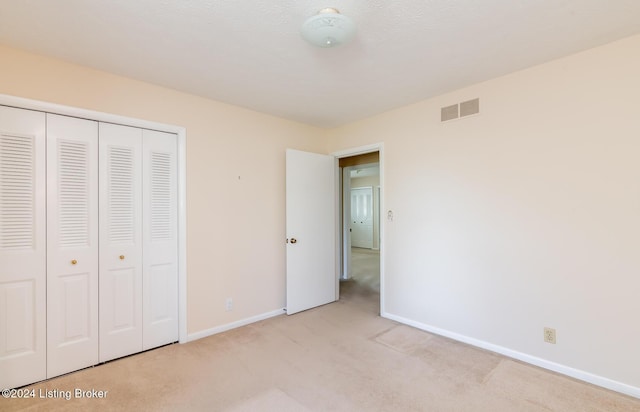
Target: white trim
345,244
337,237
29,104
182,234
533,360
234,325
54,108
354,151
375,147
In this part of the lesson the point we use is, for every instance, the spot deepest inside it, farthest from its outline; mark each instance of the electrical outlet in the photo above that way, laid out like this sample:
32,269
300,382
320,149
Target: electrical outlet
550,335
229,305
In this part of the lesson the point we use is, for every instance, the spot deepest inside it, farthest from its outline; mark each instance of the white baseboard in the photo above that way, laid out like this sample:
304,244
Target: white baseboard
543,363
242,322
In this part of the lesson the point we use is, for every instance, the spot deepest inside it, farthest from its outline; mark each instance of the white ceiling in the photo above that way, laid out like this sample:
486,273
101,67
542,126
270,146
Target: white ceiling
249,52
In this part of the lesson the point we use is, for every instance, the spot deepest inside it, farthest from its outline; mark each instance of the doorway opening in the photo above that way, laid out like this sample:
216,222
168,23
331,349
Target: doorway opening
360,200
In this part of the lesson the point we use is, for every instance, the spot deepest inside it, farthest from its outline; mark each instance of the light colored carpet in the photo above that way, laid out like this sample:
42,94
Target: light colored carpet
339,357
365,268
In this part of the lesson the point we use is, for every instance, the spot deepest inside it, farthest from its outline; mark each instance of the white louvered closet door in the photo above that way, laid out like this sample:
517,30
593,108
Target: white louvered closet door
72,244
22,247
160,239
120,241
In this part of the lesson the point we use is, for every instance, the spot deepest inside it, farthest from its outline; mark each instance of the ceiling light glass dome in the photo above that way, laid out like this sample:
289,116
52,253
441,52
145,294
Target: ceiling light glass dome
328,28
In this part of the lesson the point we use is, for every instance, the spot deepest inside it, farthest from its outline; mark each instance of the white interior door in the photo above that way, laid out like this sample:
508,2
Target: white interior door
160,239
120,241
362,217
311,230
72,244
22,247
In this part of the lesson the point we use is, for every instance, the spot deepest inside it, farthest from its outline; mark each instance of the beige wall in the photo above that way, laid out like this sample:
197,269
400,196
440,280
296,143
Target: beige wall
525,216
365,181
235,178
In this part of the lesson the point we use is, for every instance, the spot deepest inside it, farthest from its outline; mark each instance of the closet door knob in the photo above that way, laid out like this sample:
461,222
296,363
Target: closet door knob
294,240
73,262
121,257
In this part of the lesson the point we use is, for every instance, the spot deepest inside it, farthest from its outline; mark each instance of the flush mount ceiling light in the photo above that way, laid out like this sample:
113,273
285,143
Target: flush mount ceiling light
328,28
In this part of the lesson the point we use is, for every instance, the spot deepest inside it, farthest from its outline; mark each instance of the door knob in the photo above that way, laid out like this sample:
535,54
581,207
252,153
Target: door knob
73,262
294,240
121,257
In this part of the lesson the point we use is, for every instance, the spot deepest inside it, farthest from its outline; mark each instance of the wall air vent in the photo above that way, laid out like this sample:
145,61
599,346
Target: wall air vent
449,113
460,110
470,107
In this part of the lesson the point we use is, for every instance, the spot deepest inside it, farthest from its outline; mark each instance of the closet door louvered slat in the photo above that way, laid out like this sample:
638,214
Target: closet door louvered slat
120,241
160,239
72,244
22,247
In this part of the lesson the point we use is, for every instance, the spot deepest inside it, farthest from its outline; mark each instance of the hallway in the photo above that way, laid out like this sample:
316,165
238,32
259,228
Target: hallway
364,283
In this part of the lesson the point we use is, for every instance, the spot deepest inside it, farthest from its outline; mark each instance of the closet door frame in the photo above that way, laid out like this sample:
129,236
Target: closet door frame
181,133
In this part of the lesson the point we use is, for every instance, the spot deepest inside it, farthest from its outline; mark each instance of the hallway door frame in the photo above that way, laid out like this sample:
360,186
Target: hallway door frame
345,229
340,224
